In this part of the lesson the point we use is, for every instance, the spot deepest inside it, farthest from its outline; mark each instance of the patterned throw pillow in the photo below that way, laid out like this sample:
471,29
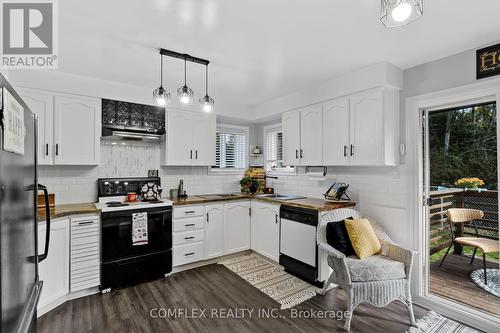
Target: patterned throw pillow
363,238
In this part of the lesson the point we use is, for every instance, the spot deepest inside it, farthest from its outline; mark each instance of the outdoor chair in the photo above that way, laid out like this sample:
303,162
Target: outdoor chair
461,216
378,279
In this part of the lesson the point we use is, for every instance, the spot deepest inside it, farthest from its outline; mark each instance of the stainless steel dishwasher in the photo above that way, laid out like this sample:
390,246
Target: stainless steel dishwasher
298,249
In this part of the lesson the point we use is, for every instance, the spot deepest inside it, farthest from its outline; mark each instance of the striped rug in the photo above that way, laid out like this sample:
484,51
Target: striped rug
271,279
433,322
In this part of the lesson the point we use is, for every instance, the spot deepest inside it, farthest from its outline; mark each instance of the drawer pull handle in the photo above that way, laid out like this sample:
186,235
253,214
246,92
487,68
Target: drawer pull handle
189,237
85,222
189,254
189,212
189,225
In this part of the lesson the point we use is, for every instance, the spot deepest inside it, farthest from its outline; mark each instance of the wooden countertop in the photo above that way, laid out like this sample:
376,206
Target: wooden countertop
309,203
59,211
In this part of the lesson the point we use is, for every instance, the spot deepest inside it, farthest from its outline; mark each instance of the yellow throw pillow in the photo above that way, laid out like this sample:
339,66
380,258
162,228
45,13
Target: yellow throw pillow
363,238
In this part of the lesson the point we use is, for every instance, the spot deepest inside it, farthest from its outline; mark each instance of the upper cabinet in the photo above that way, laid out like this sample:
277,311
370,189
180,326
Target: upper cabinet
69,127
190,139
303,136
360,129
77,130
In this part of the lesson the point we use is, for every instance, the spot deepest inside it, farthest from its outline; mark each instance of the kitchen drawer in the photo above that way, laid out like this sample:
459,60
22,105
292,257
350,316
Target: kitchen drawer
185,254
77,222
189,211
189,223
187,237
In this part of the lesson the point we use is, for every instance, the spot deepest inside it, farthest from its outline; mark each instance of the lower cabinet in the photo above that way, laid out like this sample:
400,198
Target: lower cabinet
265,229
236,226
54,270
214,231
85,255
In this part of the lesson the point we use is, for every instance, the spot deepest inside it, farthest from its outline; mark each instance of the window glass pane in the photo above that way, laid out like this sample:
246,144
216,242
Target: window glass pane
231,149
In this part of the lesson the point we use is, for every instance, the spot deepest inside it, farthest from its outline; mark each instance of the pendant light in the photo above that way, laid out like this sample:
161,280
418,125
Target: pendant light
184,93
397,13
160,96
207,102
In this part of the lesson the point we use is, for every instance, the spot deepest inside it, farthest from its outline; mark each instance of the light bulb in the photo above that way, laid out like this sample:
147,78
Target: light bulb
401,12
207,107
161,101
185,99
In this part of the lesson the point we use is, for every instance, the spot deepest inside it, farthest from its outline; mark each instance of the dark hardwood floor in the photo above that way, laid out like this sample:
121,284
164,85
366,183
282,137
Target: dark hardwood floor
212,287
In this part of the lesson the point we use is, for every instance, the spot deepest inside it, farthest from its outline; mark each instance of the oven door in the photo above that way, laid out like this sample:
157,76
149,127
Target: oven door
117,233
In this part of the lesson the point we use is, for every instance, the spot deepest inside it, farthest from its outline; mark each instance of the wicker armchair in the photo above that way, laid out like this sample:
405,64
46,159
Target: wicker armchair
377,280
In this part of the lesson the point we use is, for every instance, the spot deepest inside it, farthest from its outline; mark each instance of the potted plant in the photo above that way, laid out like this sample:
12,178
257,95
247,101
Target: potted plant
469,183
249,185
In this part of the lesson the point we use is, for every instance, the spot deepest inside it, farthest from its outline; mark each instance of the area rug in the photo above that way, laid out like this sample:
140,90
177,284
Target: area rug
493,278
271,279
433,322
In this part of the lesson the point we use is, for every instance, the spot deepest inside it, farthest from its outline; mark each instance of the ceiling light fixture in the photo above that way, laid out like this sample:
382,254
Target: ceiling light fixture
160,96
207,102
397,13
184,93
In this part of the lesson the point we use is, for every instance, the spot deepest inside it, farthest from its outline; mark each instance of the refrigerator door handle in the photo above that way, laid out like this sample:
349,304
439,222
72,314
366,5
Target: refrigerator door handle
43,256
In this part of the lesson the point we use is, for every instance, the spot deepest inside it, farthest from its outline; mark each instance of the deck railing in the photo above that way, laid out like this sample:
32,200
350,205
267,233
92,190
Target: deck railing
442,200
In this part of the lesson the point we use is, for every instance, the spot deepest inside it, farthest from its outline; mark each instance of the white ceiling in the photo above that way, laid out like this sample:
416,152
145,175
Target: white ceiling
259,49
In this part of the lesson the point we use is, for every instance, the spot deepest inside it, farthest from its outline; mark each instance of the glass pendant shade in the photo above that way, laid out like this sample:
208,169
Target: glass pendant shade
160,96
185,95
397,13
207,103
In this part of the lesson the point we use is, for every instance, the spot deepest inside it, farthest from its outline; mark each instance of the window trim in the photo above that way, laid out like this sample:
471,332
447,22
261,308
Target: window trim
236,128
281,171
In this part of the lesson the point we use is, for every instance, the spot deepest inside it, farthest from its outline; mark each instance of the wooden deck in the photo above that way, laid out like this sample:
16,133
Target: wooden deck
452,281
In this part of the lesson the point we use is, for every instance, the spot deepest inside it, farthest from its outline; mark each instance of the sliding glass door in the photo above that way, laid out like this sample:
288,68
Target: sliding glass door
461,205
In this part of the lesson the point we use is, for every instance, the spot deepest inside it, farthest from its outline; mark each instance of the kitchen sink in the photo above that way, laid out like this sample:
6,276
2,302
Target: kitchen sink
279,196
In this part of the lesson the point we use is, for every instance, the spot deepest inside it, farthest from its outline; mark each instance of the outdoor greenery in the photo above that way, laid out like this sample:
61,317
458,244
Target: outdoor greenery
463,143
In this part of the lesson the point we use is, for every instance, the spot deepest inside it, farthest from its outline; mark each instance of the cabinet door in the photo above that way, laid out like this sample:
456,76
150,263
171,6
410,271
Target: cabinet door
42,104
367,128
237,226
214,231
291,138
265,229
311,135
336,132
77,130
54,270
204,134
179,138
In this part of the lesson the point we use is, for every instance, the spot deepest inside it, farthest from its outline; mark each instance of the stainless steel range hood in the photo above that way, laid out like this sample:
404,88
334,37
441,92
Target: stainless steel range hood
130,134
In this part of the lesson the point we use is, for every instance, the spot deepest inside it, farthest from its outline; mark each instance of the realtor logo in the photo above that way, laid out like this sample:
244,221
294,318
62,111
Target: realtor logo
29,34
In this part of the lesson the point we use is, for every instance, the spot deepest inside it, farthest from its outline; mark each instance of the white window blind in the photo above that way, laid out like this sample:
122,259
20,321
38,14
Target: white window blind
274,150
231,149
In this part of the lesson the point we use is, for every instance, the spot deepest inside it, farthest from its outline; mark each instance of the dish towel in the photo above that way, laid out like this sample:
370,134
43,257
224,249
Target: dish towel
140,228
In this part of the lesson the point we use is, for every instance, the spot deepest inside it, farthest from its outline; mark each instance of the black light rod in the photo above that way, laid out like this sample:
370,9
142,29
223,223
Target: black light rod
183,56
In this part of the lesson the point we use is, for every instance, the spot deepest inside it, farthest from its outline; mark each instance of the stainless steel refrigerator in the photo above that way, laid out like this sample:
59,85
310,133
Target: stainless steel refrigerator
20,286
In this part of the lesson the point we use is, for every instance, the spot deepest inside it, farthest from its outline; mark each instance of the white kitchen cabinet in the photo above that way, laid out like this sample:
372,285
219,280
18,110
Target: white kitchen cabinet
188,234
336,132
290,124
237,226
190,139
85,260
214,230
204,136
303,136
54,270
265,228
77,130
311,135
42,104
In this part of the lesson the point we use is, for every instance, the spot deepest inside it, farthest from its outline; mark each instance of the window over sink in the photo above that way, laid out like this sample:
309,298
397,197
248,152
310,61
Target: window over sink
231,148
273,150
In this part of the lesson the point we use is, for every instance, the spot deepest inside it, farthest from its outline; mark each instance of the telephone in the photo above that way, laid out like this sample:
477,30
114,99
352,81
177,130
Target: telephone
337,192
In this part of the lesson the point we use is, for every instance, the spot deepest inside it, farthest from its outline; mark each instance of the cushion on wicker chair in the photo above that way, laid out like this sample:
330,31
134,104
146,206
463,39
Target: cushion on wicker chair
338,238
375,268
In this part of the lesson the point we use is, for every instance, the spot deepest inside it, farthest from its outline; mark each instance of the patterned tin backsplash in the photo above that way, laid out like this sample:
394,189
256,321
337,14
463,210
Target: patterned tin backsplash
132,115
